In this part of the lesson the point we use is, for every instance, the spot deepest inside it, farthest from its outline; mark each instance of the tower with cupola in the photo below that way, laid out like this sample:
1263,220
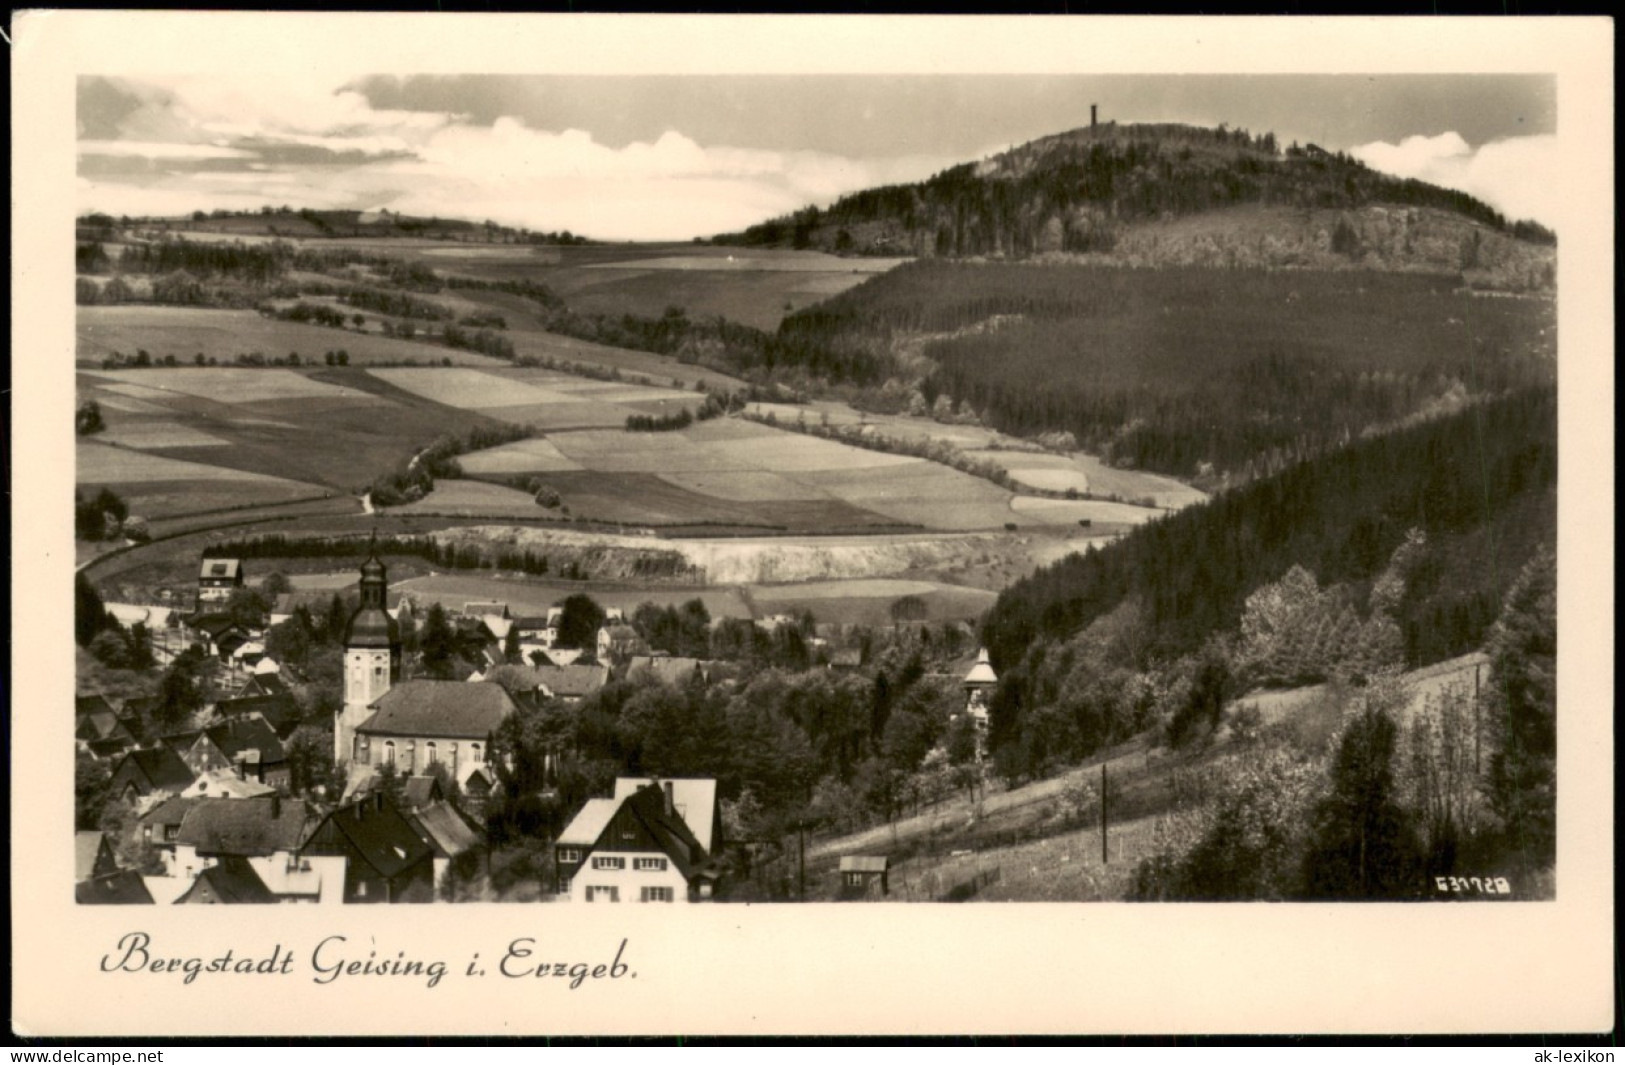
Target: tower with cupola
372,656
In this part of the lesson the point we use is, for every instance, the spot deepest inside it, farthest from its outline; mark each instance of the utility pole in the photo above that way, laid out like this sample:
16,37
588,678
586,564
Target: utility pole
1105,854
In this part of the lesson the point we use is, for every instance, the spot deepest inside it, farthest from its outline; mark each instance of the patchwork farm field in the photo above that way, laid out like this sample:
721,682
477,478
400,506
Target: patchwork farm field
750,287
731,471
544,399
184,332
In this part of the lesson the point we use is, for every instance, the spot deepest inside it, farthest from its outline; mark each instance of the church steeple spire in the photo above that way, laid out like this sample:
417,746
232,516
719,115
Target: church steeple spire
372,656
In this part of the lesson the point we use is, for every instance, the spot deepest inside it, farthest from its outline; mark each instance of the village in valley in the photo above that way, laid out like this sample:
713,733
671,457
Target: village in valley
1148,511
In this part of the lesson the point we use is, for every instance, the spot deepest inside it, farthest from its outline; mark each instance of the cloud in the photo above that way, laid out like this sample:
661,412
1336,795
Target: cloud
312,147
1519,176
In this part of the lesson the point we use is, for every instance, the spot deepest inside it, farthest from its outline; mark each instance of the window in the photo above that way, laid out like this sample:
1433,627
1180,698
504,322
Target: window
656,894
654,865
431,754
609,863
360,889
171,833
146,833
597,893
569,854
474,752
378,674
854,879
564,885
389,752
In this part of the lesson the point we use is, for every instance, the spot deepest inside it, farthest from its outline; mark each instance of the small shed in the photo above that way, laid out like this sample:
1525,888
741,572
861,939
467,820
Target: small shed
864,876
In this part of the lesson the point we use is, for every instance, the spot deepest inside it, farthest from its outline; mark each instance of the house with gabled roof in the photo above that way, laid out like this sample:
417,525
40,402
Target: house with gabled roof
279,709
267,827
217,578
245,744
619,640
262,683
230,881
418,723
123,888
368,851
643,845
676,671
568,684
150,771
161,829
92,856
453,838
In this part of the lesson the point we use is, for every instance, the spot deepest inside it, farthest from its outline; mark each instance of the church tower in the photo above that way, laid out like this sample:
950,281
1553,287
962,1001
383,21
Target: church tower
372,657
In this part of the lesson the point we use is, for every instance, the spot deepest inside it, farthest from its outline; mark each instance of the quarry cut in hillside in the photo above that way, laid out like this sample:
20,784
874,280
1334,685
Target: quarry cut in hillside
604,556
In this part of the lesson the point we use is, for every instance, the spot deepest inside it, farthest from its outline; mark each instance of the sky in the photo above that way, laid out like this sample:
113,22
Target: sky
669,157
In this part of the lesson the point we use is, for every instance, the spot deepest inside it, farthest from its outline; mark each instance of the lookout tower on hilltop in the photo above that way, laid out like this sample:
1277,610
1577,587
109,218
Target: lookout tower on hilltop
372,655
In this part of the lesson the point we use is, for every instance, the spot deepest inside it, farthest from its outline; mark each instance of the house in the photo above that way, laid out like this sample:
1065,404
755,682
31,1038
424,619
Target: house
219,634
568,684
421,791
652,842
537,632
151,771
161,829
277,708
262,828
124,888
246,744
453,839
678,672
217,579
260,686
92,856
485,607
368,851
417,723
226,784
846,659
99,729
231,880
864,876
619,640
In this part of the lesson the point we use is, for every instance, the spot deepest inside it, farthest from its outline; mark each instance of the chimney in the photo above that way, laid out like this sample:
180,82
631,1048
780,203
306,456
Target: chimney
666,787
1092,110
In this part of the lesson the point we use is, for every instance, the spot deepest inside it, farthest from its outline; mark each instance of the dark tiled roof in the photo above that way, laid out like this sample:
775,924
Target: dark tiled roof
262,684
450,708
118,889
279,710
421,791
159,767
87,847
672,670
87,704
248,827
445,830
172,811
231,880
248,732
379,834
565,682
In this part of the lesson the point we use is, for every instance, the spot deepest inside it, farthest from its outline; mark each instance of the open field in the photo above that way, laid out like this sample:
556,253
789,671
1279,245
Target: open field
227,384
474,499
749,287
548,400
869,601
225,334
534,596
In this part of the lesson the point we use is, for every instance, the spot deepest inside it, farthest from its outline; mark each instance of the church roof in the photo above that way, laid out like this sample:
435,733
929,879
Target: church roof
450,708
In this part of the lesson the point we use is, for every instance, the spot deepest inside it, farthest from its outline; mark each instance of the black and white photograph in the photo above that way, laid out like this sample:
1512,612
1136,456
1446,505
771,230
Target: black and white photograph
1049,491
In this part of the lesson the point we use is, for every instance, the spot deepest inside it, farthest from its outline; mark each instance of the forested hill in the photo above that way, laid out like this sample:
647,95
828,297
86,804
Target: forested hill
1092,190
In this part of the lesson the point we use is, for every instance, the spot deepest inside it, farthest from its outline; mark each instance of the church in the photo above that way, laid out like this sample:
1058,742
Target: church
414,724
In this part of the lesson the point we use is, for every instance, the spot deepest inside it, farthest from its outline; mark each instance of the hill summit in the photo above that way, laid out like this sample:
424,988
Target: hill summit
1152,195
